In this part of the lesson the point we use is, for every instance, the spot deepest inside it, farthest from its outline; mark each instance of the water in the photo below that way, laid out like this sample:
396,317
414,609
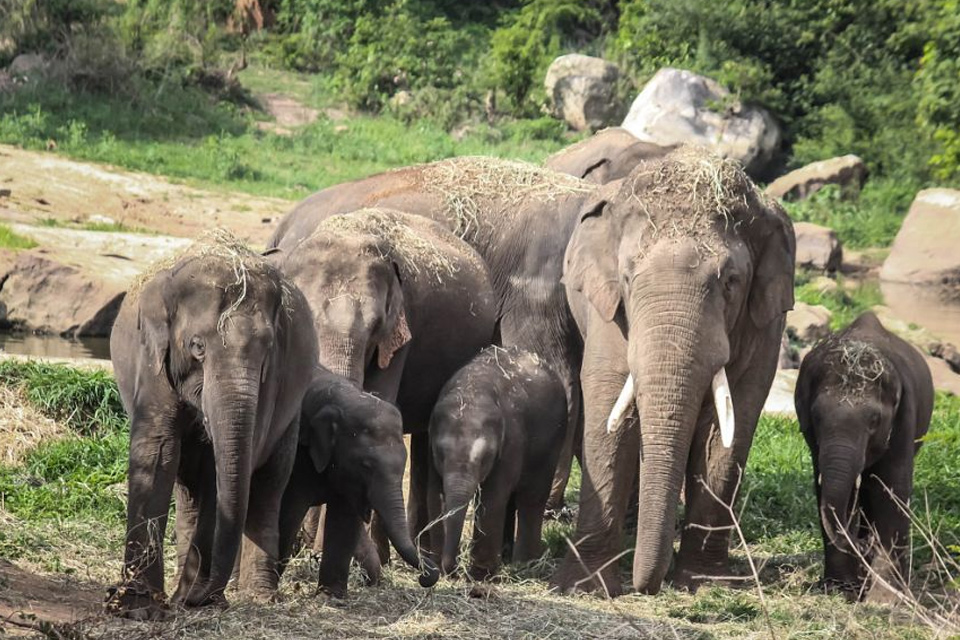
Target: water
924,307
54,346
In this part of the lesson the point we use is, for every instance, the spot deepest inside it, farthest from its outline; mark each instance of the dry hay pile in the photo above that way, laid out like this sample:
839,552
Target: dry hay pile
394,238
22,427
221,246
859,365
477,191
685,192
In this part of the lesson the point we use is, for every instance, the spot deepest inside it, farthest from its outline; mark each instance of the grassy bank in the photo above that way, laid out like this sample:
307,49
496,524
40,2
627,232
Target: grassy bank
63,511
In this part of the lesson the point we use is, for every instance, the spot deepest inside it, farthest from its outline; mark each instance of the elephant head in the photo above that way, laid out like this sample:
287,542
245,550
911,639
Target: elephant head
358,439
214,327
355,292
691,262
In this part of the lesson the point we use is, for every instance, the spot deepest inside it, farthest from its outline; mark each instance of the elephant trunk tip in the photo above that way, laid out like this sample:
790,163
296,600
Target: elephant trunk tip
430,573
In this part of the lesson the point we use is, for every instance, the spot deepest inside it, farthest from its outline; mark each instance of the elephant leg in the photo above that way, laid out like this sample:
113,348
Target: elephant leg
196,518
714,473
531,495
341,532
572,440
299,496
261,541
418,501
368,557
312,530
435,535
890,528
378,534
609,462
154,461
490,514
509,529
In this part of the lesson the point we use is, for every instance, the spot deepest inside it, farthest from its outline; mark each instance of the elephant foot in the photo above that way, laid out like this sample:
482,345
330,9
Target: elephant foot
482,574
338,590
692,578
137,603
850,589
575,576
198,598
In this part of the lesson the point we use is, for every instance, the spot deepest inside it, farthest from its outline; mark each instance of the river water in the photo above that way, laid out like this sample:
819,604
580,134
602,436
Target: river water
54,346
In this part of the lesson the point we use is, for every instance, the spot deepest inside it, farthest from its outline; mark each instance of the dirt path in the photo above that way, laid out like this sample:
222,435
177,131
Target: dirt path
32,603
36,187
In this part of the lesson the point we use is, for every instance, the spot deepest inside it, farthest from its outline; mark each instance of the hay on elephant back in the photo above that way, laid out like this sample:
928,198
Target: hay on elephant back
221,246
686,191
477,190
395,239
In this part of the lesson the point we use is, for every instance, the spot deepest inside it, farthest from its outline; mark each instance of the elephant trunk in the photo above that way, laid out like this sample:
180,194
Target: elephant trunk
343,356
457,493
230,409
839,481
673,379
388,503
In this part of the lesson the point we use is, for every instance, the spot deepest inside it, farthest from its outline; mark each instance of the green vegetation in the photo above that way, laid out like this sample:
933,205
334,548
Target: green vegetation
844,303
11,240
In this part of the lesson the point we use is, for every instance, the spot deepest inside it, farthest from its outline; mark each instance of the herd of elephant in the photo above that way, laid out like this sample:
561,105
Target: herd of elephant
625,304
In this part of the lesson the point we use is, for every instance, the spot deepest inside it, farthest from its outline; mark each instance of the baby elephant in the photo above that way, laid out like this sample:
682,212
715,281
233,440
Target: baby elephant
864,399
498,426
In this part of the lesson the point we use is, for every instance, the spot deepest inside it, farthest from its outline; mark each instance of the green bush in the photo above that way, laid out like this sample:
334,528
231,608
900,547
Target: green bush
11,240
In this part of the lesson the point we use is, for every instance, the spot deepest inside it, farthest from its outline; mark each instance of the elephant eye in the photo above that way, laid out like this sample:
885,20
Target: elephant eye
731,282
197,348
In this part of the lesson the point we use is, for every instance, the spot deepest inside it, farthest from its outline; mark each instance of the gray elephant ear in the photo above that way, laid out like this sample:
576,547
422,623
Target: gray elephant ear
153,322
590,264
321,437
772,292
397,319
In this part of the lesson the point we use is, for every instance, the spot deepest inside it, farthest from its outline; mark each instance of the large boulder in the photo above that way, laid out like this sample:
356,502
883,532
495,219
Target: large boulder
808,323
26,65
582,91
73,284
679,106
925,250
817,247
847,171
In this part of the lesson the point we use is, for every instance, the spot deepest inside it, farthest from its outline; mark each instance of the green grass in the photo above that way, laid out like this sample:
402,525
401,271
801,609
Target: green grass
871,220
843,302
217,144
11,240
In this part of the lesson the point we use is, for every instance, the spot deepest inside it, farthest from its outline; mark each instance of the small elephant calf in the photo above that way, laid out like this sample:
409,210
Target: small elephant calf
351,458
498,426
864,399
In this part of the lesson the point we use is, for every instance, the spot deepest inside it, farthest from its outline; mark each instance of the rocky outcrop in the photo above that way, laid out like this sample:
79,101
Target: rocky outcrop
808,323
847,171
679,106
74,283
817,247
925,250
582,91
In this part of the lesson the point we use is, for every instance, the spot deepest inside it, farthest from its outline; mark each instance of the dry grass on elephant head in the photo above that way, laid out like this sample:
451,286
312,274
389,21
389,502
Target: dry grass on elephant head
477,190
409,240
228,255
858,365
687,191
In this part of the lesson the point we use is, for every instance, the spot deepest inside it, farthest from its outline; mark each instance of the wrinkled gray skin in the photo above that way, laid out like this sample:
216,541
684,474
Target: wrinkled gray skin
351,458
863,429
671,297
214,412
497,427
606,156
394,328
522,245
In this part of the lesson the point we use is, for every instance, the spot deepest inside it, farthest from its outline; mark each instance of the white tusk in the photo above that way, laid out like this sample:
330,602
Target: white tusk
724,404
622,405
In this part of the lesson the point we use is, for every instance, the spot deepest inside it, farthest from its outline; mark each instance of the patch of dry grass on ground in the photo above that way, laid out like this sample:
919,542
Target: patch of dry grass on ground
21,426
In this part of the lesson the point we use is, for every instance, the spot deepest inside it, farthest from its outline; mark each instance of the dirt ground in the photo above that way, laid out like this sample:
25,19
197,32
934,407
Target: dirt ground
43,186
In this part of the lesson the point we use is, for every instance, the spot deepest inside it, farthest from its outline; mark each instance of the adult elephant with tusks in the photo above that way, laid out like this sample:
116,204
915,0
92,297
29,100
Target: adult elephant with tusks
679,278
212,363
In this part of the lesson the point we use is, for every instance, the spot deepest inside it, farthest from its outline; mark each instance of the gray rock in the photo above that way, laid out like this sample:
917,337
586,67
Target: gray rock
847,171
679,106
582,91
925,249
817,247
808,323
26,65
